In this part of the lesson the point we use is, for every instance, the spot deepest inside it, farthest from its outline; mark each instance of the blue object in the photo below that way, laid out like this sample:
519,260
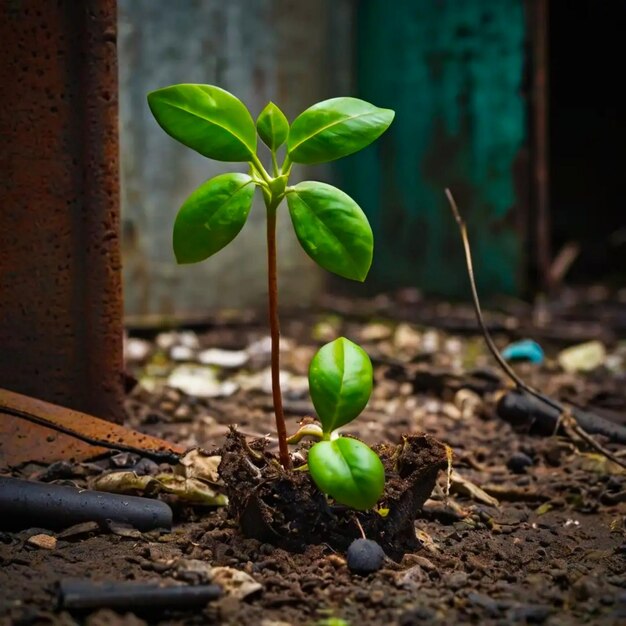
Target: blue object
525,350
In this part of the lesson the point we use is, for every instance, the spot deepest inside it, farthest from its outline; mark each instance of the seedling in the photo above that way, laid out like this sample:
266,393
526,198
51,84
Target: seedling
340,383
330,226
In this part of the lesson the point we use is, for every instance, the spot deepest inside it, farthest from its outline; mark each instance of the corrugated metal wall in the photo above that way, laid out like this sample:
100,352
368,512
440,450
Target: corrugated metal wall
453,71
294,53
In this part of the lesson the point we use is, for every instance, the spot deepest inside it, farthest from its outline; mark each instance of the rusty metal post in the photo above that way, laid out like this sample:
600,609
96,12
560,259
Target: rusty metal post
60,286
540,103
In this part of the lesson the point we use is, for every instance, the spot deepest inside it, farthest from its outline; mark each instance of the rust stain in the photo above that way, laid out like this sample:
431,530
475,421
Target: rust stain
23,440
60,286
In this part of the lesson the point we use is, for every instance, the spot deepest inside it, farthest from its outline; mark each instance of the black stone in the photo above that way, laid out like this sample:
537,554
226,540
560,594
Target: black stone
364,556
518,462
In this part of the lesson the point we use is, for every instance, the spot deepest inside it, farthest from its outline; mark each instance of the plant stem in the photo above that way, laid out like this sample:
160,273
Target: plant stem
260,169
281,429
286,164
275,164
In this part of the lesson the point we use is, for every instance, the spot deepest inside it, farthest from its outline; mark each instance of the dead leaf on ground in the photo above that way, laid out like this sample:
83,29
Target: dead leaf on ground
235,582
461,485
189,490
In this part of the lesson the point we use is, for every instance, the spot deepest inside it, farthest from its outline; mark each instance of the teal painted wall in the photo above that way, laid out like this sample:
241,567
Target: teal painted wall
453,72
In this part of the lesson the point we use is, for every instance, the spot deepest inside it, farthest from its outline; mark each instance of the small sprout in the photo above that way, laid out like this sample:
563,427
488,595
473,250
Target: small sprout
340,382
331,227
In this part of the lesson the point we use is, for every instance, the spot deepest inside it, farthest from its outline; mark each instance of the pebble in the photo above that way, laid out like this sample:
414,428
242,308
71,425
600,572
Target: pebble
417,615
182,353
145,467
518,462
47,542
364,556
457,580
531,614
136,350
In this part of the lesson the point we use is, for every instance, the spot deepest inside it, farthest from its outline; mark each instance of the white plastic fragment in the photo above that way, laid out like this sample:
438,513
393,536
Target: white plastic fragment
224,358
583,357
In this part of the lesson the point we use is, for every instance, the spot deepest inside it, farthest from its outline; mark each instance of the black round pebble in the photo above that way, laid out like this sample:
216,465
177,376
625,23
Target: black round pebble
518,462
364,556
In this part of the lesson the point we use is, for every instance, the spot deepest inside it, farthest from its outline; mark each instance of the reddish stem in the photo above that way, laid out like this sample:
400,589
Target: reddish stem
281,429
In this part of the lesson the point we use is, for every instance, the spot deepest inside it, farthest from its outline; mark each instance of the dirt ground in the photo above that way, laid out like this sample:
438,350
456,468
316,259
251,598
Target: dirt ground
534,529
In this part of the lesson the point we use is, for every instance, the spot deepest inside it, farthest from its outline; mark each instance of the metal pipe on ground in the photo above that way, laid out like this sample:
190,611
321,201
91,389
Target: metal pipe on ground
26,504
89,595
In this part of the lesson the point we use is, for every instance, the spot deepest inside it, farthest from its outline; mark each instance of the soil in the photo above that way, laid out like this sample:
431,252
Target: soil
533,531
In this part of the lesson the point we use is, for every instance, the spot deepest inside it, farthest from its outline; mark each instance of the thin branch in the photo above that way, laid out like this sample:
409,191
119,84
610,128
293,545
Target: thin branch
566,415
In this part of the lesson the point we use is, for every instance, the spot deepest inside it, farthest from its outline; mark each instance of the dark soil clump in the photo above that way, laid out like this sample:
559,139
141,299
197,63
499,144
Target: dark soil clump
286,509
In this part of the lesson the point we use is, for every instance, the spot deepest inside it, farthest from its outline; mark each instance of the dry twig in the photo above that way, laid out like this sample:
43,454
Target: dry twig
566,417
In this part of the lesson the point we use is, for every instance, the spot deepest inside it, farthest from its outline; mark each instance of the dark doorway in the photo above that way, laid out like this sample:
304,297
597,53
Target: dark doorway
587,136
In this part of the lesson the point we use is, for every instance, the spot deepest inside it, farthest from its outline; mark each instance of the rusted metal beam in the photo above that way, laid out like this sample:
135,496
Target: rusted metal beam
539,16
36,431
60,287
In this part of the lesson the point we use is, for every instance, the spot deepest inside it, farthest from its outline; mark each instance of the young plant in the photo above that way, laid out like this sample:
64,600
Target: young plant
340,383
330,226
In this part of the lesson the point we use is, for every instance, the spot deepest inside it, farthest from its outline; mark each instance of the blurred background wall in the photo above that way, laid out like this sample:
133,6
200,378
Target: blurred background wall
454,72
292,52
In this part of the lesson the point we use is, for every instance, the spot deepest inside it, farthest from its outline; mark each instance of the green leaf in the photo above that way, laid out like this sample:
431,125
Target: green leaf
332,229
207,119
212,216
272,126
340,382
348,471
336,128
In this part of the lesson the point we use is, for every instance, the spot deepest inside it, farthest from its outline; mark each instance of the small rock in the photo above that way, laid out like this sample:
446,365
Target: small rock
108,617
124,459
182,413
430,342
530,614
123,530
136,350
79,530
235,583
375,332
417,615
485,602
518,462
47,542
412,578
457,580
146,467
200,381
364,556
182,353
407,339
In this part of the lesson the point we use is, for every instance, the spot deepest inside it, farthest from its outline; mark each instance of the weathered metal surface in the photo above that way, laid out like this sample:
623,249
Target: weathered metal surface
23,440
294,53
538,24
453,72
60,286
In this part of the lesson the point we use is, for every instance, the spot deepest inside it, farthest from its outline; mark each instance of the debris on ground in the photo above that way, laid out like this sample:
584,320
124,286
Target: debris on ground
532,531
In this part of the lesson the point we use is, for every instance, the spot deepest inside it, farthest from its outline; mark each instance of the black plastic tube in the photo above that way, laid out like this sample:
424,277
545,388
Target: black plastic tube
24,504
521,409
86,594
